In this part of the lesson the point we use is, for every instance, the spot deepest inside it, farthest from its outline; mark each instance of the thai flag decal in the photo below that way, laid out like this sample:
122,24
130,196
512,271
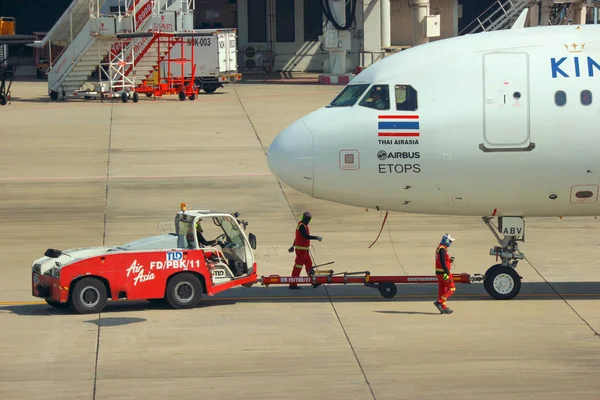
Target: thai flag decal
398,125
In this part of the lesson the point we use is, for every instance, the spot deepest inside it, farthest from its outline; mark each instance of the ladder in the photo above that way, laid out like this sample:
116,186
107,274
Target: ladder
500,15
174,16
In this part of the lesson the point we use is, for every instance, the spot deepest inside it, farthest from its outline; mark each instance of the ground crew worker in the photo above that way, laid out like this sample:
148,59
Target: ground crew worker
302,245
443,274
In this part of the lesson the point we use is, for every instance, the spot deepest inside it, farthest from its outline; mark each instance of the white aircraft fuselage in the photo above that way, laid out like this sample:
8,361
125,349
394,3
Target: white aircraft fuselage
475,125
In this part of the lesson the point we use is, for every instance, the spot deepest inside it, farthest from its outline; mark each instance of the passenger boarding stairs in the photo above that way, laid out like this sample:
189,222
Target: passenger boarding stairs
500,15
93,40
86,36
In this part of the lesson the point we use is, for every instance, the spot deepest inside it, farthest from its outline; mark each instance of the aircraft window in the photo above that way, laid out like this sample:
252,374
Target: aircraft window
377,98
586,97
560,98
349,96
406,98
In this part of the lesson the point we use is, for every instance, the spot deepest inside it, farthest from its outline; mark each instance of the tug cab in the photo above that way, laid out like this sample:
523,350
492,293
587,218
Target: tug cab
228,251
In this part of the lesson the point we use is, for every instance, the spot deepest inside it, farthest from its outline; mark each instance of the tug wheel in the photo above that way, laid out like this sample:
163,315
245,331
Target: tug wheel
89,296
387,289
184,290
502,283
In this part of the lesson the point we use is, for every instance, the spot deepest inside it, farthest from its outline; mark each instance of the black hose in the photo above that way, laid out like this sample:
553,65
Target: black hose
326,8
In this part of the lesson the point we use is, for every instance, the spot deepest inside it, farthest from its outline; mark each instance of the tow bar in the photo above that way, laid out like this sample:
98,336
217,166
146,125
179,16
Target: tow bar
385,284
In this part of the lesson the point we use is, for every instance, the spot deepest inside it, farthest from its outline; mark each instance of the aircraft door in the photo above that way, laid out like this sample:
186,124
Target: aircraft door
506,103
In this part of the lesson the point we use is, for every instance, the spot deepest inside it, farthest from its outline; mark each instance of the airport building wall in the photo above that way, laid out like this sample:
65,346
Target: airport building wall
285,32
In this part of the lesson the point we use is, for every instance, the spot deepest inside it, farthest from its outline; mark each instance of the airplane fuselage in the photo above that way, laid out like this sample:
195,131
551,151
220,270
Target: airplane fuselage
500,123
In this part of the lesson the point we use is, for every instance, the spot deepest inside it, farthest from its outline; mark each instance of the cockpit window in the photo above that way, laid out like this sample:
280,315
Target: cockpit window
406,98
378,98
349,96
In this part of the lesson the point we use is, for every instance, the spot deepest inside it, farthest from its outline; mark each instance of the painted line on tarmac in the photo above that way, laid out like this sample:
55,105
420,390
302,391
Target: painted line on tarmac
124,177
406,296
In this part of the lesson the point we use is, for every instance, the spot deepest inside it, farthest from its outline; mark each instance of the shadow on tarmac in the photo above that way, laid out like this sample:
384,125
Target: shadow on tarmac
408,312
106,100
329,293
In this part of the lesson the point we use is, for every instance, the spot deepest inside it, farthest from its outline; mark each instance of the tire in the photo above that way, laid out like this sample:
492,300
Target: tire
89,296
502,283
388,289
184,290
57,304
182,95
193,97
148,94
136,97
53,95
210,89
124,97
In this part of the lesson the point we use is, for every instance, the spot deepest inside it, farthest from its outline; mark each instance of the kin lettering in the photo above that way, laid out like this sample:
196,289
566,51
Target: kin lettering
568,67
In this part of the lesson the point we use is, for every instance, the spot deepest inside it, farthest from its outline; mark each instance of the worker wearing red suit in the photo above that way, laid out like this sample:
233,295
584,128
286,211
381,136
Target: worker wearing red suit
443,273
302,245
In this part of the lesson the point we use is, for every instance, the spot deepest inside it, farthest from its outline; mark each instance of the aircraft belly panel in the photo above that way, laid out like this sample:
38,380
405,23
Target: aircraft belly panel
506,102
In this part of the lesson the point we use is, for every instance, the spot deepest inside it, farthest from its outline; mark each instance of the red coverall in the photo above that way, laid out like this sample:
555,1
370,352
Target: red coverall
446,288
301,246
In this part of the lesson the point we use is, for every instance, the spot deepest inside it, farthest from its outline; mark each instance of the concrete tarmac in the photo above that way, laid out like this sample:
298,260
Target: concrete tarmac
84,173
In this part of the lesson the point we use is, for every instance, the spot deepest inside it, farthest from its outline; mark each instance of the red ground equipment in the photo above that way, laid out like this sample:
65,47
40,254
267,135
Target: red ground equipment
172,267
164,81
385,284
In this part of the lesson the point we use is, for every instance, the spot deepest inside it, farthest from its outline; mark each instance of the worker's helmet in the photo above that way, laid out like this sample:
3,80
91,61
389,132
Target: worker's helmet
307,216
199,226
447,240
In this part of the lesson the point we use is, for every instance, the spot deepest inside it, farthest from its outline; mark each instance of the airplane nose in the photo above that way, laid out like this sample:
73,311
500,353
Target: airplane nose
290,157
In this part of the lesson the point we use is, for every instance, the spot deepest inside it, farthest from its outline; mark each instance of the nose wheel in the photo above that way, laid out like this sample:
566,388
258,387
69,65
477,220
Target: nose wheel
502,281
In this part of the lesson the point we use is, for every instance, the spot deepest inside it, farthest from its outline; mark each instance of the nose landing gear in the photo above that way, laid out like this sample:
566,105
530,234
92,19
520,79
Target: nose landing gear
502,281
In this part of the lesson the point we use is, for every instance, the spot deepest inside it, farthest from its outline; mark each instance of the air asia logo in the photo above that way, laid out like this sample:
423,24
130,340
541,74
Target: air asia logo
384,155
137,272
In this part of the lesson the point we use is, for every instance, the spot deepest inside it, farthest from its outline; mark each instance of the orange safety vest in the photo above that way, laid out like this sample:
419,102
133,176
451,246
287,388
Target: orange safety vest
301,243
438,264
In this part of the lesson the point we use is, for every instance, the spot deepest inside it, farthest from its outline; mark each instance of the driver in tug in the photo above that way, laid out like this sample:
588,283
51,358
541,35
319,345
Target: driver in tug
235,269
201,239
